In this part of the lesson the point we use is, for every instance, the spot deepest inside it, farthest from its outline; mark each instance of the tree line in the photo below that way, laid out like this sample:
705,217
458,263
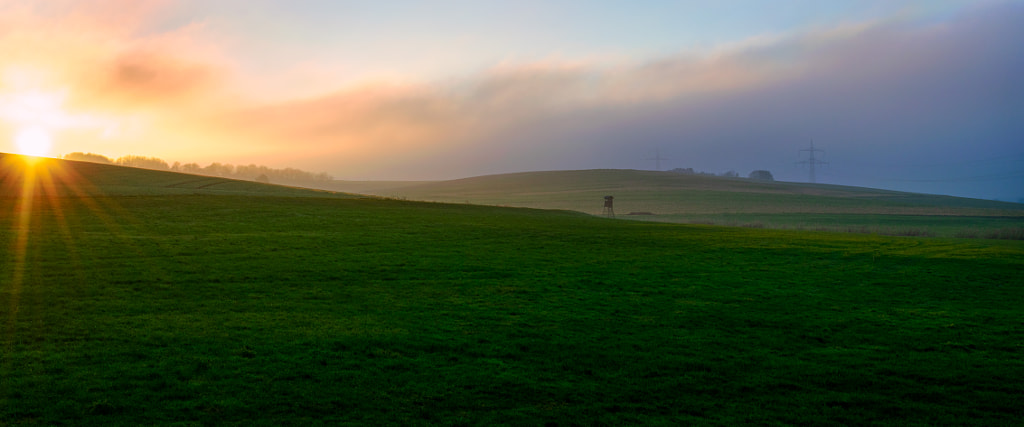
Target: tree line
759,175
250,172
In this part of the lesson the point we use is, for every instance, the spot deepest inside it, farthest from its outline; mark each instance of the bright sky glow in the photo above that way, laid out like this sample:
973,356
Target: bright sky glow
33,141
919,95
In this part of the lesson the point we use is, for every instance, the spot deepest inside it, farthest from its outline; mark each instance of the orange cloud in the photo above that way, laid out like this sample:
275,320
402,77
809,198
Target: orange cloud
123,88
359,122
131,83
150,75
176,93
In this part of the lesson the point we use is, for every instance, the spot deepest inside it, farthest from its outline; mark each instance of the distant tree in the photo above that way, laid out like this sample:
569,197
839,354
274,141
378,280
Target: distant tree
88,157
687,171
142,162
192,168
218,169
761,175
251,170
226,170
730,174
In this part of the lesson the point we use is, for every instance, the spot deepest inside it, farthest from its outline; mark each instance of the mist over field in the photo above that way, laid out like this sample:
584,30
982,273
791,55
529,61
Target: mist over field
908,106
916,95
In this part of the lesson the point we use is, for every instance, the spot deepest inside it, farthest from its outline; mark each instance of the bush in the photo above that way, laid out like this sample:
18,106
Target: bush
143,162
88,157
761,175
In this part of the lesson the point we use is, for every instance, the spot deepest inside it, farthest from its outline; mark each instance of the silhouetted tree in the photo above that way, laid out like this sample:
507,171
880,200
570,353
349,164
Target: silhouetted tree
142,162
226,170
192,168
218,169
88,157
761,175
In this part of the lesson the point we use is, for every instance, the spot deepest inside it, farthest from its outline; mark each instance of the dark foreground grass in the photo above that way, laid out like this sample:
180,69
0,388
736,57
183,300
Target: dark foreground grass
221,310
950,226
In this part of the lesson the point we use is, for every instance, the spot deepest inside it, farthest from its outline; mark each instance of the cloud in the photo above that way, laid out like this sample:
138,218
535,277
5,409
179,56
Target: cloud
122,85
152,74
861,90
98,58
418,121
874,94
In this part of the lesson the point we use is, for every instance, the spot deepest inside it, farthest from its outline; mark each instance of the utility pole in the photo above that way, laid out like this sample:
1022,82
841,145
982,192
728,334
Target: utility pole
811,162
657,160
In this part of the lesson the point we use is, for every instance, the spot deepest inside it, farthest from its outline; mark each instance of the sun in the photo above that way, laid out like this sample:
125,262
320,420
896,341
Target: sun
33,141
34,115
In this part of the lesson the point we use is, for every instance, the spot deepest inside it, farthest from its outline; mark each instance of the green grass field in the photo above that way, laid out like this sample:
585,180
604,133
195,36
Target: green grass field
723,201
141,304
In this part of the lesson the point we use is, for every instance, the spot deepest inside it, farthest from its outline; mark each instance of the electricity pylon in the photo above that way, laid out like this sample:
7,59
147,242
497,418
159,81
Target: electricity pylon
657,160
811,162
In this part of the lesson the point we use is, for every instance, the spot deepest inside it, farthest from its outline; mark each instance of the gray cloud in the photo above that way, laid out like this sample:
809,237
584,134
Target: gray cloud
903,105
933,108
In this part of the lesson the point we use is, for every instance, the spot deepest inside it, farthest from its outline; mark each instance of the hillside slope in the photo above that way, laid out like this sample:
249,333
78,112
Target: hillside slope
223,309
670,197
669,193
62,178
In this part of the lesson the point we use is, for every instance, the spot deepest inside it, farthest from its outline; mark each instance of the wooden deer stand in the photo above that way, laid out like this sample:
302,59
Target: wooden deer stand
609,211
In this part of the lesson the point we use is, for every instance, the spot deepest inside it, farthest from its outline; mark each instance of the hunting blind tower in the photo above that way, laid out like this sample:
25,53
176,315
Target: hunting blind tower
609,211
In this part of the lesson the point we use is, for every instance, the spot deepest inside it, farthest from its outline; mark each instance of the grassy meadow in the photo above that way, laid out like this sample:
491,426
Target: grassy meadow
698,199
130,297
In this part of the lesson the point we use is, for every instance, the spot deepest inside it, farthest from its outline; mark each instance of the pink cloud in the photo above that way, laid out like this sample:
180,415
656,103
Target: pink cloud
183,96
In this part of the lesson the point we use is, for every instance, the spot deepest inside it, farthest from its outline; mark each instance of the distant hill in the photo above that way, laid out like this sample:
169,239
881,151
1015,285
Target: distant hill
680,198
664,193
159,298
654,196
56,177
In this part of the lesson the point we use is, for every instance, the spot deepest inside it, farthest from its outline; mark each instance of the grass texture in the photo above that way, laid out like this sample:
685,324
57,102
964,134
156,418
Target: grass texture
200,309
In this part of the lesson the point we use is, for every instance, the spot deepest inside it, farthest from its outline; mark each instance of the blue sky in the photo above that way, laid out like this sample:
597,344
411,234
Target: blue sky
909,95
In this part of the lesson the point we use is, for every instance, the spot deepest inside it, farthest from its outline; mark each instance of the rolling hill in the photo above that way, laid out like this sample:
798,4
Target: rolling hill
671,193
64,178
133,297
670,197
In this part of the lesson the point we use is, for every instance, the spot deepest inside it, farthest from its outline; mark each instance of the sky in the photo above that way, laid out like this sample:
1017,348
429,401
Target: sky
914,95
